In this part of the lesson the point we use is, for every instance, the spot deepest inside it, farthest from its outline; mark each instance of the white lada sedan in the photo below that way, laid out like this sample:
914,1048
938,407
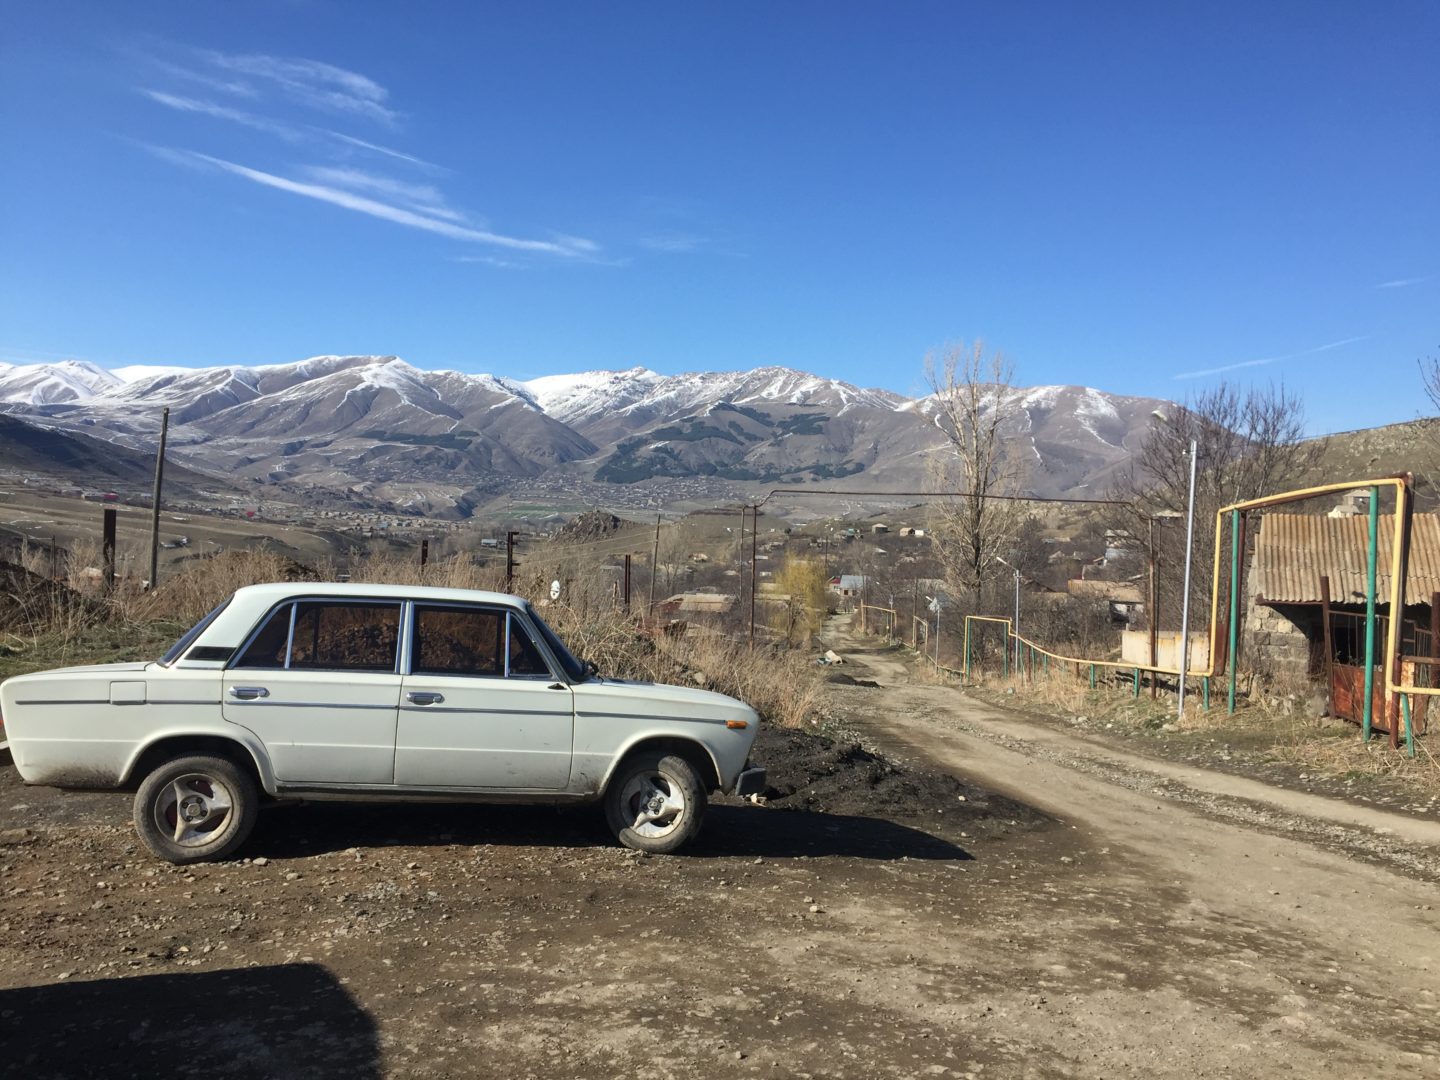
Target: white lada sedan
348,691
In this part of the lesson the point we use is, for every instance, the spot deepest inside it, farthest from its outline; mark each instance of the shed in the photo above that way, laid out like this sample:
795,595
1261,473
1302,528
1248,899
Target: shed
1287,630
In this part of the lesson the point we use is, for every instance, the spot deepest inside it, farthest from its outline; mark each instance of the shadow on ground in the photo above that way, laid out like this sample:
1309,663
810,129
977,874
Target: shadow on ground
284,1020
730,831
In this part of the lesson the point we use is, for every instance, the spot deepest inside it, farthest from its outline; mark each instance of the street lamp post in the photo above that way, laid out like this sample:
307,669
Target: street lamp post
1185,602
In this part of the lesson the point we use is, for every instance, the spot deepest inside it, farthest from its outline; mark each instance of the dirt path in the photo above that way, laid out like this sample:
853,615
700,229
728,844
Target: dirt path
1162,922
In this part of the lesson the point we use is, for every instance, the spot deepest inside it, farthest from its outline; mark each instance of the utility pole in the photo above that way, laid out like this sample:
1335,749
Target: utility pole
754,566
740,557
654,568
155,505
510,561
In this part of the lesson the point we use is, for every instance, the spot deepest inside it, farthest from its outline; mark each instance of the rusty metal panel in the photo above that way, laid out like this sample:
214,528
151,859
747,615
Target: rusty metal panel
1293,551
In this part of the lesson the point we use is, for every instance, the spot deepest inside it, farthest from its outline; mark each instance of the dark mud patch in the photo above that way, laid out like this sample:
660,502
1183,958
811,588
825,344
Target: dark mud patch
816,772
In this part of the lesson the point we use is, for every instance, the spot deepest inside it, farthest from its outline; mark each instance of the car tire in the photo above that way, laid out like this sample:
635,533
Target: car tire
196,808
655,803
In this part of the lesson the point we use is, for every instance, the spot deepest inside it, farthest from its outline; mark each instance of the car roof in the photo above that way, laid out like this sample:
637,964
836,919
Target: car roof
272,592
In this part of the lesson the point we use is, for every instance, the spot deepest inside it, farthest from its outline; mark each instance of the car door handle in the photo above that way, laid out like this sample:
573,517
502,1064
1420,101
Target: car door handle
248,693
424,697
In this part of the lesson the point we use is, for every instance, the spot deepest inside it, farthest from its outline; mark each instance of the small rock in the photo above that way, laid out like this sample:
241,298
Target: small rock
261,861
815,909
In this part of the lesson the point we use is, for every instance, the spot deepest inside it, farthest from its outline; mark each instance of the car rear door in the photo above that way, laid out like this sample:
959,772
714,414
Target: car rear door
318,683
480,707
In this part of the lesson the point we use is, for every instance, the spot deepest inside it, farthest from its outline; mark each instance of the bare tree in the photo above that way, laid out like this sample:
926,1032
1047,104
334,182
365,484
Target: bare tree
975,403
1250,443
1430,379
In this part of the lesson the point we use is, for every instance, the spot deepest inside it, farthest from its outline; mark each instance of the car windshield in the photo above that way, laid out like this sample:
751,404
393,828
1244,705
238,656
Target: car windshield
574,669
188,638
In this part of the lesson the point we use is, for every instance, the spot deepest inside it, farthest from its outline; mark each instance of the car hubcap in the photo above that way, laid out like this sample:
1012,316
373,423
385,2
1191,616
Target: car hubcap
653,804
192,808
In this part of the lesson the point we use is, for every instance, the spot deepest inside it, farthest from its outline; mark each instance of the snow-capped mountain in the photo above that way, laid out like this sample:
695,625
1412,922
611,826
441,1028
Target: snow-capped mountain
339,421
44,384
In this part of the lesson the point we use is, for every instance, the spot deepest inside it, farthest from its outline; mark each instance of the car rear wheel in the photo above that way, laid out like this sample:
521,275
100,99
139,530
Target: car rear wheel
196,808
655,803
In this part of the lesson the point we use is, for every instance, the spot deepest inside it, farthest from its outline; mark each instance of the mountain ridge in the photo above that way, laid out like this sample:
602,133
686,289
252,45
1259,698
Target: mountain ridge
379,425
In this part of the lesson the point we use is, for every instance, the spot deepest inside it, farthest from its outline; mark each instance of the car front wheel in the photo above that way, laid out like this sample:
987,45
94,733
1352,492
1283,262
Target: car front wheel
195,808
655,803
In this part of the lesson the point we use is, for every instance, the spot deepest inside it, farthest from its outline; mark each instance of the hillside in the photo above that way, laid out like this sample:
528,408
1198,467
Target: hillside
446,441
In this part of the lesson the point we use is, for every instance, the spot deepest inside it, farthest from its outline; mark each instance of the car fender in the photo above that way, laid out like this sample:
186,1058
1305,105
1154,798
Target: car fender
656,734
225,732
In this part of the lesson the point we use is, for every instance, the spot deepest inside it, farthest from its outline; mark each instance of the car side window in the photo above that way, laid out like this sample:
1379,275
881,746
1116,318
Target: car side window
267,648
327,636
458,641
525,658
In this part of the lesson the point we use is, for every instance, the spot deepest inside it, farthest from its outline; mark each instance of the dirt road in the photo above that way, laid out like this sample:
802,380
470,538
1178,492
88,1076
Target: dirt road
1163,922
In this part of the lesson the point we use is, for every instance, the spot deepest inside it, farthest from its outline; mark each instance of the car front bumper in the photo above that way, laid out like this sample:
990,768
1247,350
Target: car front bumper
751,781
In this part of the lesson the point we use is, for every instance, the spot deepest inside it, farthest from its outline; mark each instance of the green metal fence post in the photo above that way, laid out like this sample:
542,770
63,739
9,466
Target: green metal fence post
1137,682
1370,612
1205,689
1234,606
1409,728
1092,676
967,646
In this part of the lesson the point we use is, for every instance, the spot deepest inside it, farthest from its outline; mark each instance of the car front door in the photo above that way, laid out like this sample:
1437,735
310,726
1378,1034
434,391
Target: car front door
480,707
318,684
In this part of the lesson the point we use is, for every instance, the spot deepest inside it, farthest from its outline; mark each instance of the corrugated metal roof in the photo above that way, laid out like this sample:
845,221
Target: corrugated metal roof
1293,551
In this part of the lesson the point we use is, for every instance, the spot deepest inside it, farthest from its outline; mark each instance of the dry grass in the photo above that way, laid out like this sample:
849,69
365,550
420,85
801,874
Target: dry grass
58,625
1326,747
1336,749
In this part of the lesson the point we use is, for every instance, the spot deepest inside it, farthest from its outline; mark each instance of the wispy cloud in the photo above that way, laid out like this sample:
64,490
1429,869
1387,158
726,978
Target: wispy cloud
218,83
572,247
312,83
289,132
490,260
1270,359
1405,283
224,112
673,243
425,198
387,151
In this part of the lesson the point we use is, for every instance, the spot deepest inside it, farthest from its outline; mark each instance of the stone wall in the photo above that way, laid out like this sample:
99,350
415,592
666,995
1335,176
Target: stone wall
1275,645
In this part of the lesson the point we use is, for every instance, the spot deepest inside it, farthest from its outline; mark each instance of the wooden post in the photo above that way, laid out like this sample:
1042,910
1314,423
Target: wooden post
1404,515
627,581
424,553
107,548
510,561
1329,646
155,503
1422,706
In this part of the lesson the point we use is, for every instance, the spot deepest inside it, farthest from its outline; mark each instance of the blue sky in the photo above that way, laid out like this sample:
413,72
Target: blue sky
1127,195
